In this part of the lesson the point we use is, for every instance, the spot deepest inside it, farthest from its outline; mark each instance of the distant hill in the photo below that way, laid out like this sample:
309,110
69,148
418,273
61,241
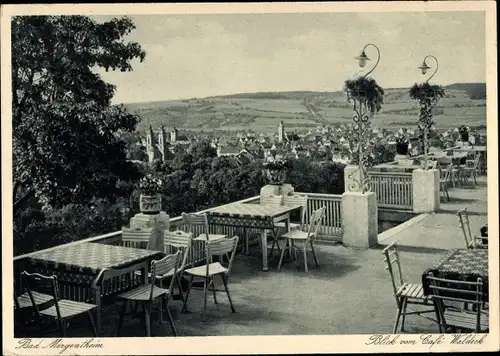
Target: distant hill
464,103
475,90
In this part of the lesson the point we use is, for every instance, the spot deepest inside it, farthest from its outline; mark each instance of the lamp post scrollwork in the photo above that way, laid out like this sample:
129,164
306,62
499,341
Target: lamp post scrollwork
428,96
366,97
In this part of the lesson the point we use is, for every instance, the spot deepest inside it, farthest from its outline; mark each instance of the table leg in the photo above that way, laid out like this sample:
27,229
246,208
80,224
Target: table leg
264,251
97,301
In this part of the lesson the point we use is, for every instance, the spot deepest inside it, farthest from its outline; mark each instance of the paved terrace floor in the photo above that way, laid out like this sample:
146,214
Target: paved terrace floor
350,293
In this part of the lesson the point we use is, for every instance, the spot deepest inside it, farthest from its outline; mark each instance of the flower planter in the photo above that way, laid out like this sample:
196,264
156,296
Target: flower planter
150,204
402,148
276,176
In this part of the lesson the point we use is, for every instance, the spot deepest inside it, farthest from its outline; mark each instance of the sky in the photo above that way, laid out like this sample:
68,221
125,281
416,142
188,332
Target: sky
190,56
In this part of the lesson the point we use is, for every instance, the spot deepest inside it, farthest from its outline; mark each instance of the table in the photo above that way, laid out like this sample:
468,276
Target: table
460,264
246,215
78,265
476,149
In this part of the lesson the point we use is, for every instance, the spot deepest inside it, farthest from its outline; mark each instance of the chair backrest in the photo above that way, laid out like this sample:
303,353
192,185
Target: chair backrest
431,164
476,161
196,223
167,265
136,237
223,247
463,217
297,199
391,257
36,282
315,222
446,173
443,289
178,241
272,199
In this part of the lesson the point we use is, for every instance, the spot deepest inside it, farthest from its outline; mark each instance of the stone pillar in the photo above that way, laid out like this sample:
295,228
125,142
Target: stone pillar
426,197
269,189
162,220
399,157
359,219
351,177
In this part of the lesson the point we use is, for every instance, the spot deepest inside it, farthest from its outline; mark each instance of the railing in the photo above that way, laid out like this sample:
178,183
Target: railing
331,227
393,189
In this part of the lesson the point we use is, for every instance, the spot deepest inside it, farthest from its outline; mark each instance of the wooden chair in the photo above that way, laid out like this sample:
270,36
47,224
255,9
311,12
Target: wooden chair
179,241
457,291
404,293
304,237
444,179
471,241
210,270
136,237
60,310
198,224
295,199
470,169
147,294
175,241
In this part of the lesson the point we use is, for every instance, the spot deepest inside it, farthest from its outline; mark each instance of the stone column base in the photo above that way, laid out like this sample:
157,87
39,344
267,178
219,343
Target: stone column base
426,197
359,219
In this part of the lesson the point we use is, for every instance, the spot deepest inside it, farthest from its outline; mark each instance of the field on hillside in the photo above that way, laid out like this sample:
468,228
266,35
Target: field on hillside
262,112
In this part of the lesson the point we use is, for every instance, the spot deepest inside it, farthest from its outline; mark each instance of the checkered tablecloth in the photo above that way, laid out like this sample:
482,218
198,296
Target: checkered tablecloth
249,215
81,263
458,264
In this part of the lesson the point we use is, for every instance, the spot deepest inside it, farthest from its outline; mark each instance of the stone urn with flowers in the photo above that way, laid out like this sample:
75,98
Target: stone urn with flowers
150,197
402,145
276,171
464,133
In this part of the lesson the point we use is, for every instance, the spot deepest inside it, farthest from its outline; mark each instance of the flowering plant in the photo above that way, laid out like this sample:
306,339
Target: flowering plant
367,89
402,140
149,185
463,128
277,164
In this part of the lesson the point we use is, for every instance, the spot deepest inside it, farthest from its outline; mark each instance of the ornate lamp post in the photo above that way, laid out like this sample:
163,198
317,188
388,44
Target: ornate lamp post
428,96
366,98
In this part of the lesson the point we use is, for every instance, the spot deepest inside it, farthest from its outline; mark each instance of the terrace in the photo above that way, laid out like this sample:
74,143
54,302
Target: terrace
356,294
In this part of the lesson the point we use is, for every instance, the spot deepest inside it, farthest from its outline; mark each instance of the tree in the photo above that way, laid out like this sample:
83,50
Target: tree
64,148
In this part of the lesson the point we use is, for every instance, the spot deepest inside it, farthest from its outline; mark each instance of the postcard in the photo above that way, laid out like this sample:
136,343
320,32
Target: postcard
249,178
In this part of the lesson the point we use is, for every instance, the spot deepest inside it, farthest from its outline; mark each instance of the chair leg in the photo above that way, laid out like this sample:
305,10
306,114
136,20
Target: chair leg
147,319
91,321
395,329
170,319
184,307
282,254
438,319
120,321
62,325
179,286
304,251
403,313
224,280
205,290
213,291
314,253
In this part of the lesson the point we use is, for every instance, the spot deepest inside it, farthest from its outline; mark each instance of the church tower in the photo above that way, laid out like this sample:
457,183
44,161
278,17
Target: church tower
281,132
162,142
150,143
173,135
